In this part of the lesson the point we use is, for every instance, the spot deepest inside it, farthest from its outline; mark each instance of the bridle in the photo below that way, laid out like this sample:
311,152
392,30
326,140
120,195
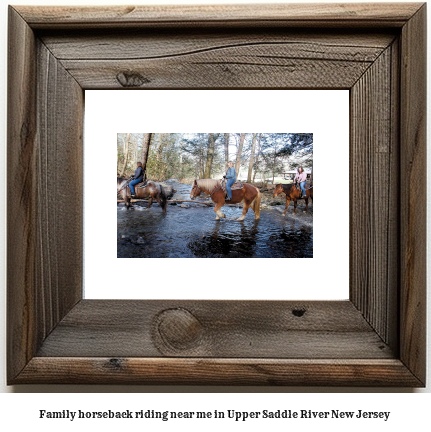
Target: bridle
278,192
198,188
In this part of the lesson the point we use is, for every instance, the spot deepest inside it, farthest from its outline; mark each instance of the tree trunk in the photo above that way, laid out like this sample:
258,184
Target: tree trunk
257,157
200,160
250,165
210,156
181,158
126,154
238,154
145,150
135,150
226,150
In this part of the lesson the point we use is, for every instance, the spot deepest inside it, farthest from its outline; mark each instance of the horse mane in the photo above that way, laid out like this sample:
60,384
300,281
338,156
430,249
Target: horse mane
208,184
287,186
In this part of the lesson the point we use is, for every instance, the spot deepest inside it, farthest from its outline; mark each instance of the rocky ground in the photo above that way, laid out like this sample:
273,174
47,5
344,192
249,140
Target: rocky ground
279,204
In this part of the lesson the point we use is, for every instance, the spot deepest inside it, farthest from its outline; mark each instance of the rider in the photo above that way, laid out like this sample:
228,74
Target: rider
301,177
136,178
231,177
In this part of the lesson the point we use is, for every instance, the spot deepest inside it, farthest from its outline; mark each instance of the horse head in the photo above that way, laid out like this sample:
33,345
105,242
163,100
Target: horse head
278,189
120,183
196,191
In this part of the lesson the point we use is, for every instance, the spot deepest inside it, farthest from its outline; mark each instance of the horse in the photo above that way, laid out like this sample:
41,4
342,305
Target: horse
248,193
293,193
152,191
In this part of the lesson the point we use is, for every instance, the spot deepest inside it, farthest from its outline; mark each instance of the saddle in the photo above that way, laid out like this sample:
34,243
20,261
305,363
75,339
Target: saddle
307,186
235,186
141,185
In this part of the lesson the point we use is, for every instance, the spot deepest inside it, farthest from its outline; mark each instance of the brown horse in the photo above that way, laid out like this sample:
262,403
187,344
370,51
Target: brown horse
152,191
292,193
248,193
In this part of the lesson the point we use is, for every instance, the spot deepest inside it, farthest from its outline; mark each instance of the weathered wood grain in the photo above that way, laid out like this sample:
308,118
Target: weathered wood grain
413,194
372,191
212,60
375,15
140,44
45,106
197,371
235,329
59,188
21,231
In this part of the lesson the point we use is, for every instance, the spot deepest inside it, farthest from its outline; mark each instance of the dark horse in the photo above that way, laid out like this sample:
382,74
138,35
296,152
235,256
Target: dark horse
152,191
292,193
248,193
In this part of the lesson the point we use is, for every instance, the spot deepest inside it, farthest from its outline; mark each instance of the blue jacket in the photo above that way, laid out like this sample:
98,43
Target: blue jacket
231,173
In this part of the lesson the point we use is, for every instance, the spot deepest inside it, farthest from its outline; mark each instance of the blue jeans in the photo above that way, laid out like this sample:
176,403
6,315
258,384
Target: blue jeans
229,183
133,183
302,185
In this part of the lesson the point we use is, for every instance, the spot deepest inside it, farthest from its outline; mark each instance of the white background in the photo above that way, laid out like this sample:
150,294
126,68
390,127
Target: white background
324,113
21,410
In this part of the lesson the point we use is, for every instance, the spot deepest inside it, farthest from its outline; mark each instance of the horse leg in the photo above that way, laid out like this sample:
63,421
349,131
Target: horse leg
255,205
295,204
244,210
160,204
287,205
306,205
150,202
218,212
126,201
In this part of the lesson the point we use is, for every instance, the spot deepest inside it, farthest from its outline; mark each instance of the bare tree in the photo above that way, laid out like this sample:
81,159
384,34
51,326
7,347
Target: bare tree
145,151
226,149
250,165
212,138
257,157
126,153
238,154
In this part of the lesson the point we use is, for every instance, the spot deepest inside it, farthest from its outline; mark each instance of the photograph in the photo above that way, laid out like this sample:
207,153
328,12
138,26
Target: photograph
216,195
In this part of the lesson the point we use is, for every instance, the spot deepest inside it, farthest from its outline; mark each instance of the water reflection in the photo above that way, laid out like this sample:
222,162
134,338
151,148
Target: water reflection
232,240
194,232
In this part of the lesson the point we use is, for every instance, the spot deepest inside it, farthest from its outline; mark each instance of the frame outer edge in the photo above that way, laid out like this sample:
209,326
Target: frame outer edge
198,371
292,14
413,195
21,143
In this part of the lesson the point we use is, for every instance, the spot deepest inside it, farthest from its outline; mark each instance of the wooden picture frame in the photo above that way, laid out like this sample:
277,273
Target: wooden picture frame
376,338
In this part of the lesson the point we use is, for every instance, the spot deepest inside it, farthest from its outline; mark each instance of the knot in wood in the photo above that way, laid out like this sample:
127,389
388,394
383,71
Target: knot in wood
131,79
298,312
178,329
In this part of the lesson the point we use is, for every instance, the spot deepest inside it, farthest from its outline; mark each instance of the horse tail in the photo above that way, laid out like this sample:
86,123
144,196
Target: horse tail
163,199
255,205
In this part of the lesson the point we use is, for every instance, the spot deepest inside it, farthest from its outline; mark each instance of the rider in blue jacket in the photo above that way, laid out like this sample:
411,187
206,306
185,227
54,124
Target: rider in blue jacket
231,177
137,178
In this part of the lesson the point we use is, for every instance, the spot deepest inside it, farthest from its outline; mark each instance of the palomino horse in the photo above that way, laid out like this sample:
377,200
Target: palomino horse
152,191
292,193
249,193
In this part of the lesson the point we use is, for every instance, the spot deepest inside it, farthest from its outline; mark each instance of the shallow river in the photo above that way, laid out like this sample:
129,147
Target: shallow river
194,232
